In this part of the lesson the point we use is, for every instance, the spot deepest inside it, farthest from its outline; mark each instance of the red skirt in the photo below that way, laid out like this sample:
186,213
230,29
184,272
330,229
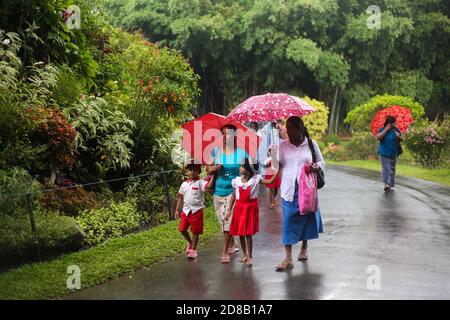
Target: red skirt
275,184
245,220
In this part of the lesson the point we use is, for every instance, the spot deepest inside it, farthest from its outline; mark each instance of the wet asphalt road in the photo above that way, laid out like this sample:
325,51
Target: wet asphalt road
405,234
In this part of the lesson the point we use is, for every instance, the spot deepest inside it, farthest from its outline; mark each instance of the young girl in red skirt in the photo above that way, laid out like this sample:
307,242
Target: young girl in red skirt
270,172
245,222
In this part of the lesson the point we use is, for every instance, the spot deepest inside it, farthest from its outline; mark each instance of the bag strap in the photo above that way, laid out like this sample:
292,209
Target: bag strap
313,151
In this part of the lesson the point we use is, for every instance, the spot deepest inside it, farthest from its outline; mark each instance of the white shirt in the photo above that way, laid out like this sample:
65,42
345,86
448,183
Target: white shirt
253,183
292,159
193,192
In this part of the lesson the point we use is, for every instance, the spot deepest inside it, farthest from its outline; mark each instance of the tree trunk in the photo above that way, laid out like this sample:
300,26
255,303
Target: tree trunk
338,112
333,109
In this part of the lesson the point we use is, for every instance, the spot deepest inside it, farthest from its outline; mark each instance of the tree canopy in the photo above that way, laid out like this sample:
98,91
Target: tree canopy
322,48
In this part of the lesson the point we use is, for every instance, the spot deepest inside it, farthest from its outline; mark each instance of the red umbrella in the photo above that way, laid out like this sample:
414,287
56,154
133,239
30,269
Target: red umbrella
269,107
402,115
203,134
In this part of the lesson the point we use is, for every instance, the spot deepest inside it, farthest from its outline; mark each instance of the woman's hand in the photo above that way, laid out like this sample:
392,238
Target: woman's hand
228,215
314,167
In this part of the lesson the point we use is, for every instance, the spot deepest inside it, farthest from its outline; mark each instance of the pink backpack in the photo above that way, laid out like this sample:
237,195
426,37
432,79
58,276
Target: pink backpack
307,191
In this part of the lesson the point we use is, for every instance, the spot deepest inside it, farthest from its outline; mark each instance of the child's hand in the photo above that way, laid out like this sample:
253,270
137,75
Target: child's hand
228,215
177,214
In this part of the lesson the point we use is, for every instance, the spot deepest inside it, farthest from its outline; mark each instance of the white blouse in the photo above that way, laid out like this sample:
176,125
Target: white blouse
292,159
253,183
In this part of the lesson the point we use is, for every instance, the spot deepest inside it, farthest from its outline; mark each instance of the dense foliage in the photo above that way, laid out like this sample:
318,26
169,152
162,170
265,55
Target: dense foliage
323,48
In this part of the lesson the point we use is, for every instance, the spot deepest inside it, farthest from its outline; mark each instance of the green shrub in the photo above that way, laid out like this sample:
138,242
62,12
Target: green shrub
103,136
56,234
362,146
111,222
332,138
335,152
14,183
361,117
68,88
429,142
316,122
151,197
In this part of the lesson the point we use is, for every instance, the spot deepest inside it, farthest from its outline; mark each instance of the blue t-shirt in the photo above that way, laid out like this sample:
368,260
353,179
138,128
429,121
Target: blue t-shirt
388,145
230,169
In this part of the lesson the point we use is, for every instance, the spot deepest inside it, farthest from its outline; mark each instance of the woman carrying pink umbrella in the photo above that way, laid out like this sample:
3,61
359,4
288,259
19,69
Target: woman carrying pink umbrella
294,153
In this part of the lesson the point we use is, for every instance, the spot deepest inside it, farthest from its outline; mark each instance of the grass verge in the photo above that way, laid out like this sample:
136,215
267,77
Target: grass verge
106,261
441,176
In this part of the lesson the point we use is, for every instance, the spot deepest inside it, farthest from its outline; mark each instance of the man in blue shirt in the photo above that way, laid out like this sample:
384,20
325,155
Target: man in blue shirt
389,137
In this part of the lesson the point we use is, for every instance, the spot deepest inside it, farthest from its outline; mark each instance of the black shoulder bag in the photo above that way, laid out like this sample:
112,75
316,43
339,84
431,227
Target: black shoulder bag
320,173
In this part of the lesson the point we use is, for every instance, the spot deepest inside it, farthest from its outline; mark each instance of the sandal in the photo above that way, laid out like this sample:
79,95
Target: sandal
232,250
303,256
272,206
225,259
192,254
284,266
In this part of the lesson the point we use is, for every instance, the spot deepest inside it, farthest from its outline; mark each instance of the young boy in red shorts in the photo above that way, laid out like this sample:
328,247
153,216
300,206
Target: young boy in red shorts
191,196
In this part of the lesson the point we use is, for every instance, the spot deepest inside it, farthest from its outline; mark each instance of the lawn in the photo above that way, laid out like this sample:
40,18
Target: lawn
441,176
107,261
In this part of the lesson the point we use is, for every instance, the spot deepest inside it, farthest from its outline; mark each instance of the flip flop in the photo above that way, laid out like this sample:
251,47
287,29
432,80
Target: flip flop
233,250
303,256
284,266
225,259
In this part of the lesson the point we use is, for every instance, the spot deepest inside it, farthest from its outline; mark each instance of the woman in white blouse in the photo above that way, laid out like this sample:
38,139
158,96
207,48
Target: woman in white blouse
293,154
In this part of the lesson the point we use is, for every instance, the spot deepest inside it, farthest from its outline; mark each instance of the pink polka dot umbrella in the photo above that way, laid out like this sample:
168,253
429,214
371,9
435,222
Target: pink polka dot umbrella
269,107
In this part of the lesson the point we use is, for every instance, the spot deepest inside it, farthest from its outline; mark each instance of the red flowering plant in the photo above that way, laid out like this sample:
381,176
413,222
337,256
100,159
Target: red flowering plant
52,130
162,88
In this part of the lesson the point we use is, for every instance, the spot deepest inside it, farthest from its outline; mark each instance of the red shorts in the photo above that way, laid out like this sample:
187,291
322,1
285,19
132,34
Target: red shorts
195,220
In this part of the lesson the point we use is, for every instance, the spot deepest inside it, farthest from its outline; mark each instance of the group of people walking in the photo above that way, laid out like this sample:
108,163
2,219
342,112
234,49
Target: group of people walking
234,180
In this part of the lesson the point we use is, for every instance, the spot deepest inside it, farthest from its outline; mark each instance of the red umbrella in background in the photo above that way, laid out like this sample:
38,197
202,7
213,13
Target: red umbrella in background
203,134
402,115
269,107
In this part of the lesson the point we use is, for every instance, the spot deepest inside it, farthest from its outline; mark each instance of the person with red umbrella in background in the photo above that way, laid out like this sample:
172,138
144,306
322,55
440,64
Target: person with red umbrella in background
389,137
